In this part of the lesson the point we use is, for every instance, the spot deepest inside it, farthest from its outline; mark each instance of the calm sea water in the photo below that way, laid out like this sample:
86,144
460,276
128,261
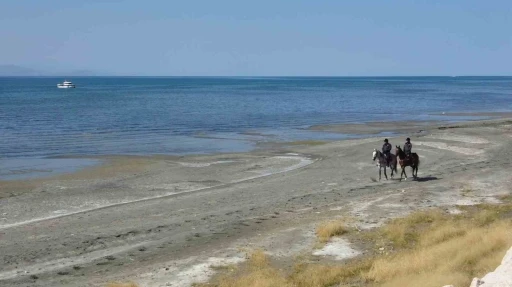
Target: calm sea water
108,115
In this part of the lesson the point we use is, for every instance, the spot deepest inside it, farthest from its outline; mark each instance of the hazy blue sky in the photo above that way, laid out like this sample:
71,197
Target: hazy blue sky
236,37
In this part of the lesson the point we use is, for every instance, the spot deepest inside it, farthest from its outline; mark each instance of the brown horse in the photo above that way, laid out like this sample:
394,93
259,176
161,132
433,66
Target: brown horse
413,161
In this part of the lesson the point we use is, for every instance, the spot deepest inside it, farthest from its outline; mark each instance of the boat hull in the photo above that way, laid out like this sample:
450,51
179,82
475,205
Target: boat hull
65,87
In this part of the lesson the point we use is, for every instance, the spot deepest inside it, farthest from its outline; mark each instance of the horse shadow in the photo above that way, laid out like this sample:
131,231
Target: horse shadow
418,179
426,178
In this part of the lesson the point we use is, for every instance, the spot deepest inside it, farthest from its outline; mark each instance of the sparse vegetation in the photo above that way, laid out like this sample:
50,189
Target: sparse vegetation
427,248
310,274
404,232
455,252
258,272
330,229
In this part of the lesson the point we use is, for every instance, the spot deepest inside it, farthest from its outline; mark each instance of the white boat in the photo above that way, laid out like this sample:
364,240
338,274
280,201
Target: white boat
66,85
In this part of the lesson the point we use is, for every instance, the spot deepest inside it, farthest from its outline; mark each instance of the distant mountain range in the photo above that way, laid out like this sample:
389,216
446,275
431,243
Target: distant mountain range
19,71
12,70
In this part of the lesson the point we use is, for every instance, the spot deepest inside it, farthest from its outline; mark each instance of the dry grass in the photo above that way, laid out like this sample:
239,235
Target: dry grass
454,252
427,248
403,232
436,249
327,230
442,232
258,260
319,275
258,272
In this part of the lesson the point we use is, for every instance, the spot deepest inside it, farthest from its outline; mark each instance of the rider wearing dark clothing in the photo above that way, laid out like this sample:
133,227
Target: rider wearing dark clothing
386,150
407,147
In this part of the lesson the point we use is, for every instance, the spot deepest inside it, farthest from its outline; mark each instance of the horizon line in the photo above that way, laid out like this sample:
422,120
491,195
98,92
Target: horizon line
240,76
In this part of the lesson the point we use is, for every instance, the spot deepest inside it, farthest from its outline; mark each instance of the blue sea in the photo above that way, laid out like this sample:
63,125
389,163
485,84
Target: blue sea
173,115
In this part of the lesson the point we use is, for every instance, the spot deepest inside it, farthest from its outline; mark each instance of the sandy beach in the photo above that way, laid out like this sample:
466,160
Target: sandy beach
165,220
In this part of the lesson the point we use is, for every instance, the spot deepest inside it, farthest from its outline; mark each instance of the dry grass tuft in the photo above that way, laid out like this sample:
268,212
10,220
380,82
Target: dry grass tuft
442,232
261,278
258,260
257,273
485,217
403,232
318,275
424,280
327,230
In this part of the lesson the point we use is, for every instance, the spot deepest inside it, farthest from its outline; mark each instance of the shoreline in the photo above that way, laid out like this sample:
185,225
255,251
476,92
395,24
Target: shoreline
211,206
263,141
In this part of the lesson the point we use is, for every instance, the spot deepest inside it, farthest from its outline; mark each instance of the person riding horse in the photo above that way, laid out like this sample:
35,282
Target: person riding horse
386,150
408,147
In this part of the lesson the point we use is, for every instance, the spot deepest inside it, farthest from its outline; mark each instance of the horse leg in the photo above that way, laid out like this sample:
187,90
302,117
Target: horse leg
405,173
385,173
380,170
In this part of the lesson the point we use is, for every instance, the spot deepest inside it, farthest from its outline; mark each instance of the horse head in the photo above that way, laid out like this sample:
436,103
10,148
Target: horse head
399,152
375,153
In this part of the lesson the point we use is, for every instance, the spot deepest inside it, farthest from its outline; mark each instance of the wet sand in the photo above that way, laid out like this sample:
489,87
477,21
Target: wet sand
165,220
374,128
494,115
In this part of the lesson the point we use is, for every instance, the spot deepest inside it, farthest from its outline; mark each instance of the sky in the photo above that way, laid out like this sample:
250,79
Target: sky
259,38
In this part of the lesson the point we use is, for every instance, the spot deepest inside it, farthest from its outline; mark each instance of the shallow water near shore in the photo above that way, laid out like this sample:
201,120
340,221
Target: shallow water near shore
30,168
180,116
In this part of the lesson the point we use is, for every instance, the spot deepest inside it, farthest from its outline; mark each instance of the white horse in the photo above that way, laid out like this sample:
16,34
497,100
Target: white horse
382,163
